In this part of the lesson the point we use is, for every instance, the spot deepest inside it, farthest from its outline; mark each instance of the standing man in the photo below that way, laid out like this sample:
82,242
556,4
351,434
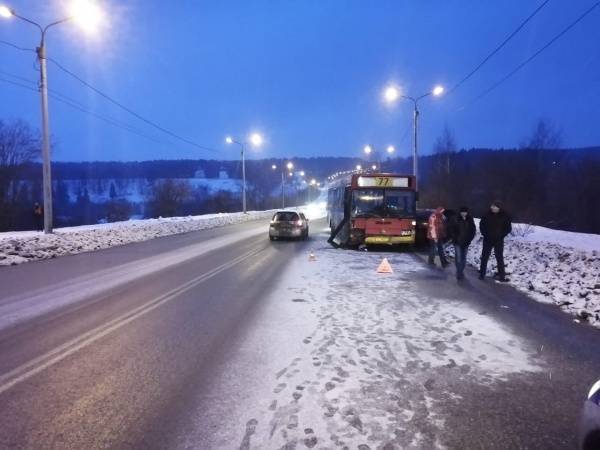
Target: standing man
38,216
462,231
436,233
495,225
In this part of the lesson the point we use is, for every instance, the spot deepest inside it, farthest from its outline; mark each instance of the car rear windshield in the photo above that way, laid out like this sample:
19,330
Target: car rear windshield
285,217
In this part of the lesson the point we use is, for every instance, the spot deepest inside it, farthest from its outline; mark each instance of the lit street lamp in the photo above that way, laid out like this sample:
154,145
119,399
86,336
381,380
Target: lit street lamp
376,154
256,140
392,94
88,16
358,167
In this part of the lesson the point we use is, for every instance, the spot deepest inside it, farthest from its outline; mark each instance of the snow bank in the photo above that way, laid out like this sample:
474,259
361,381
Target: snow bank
23,246
552,266
578,241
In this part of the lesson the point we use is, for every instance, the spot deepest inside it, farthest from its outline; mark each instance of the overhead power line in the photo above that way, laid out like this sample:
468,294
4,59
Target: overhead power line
18,77
497,49
532,57
15,83
78,106
117,103
10,44
130,111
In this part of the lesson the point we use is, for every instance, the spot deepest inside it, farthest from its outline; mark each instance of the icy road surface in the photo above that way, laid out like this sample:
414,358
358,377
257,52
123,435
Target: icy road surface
220,339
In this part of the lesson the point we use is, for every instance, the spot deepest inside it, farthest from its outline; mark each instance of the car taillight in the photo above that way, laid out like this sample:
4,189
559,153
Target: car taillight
299,223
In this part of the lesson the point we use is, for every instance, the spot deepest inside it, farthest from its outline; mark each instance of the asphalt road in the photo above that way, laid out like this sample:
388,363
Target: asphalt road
222,339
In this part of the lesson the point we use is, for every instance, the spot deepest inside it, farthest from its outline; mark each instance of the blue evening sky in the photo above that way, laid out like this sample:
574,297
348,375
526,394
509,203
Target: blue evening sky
308,74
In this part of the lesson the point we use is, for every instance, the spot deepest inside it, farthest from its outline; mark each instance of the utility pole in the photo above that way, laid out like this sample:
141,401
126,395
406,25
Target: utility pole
243,181
46,166
256,140
87,15
415,145
282,190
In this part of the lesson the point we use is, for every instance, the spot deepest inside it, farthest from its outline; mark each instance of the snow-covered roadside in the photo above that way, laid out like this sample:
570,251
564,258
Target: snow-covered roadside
552,266
385,356
20,247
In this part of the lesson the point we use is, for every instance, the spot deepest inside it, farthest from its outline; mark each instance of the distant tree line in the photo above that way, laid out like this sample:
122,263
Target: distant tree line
539,182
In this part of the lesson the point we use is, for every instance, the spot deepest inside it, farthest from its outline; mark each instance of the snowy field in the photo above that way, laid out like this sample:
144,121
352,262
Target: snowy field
552,266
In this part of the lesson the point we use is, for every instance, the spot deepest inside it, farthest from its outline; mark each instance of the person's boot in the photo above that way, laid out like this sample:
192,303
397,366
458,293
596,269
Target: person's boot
500,277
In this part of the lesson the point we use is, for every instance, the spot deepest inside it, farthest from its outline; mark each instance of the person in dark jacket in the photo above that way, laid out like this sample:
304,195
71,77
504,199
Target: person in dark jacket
38,216
461,231
495,225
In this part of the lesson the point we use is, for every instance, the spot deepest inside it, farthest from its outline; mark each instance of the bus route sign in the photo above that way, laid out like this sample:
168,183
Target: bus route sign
383,181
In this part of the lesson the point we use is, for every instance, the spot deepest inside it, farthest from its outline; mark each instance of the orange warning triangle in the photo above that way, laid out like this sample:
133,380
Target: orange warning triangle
385,267
311,256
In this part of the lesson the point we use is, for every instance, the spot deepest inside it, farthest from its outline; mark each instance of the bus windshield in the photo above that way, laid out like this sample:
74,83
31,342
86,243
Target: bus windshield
383,203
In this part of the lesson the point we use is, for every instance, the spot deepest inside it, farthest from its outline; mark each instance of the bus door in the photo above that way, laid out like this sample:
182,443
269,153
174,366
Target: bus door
341,234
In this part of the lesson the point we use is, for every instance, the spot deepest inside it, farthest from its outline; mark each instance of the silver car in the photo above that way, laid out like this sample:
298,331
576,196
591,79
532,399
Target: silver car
288,224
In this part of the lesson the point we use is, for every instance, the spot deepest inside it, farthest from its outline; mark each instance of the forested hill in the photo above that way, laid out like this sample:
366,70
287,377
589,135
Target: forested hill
474,160
186,168
556,188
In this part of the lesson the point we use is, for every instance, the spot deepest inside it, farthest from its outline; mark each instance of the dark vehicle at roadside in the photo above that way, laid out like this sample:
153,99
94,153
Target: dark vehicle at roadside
590,420
422,218
288,224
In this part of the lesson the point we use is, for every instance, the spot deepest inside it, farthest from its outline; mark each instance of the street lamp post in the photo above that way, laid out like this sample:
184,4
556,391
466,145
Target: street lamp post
312,185
289,166
256,140
87,15
391,95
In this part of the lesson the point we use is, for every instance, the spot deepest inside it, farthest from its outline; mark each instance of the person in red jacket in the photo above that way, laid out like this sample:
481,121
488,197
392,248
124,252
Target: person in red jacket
436,233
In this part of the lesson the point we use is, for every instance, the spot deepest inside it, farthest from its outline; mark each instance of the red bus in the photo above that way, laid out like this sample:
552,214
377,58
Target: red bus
372,208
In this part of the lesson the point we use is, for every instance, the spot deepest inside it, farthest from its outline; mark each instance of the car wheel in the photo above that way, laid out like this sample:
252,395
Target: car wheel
272,238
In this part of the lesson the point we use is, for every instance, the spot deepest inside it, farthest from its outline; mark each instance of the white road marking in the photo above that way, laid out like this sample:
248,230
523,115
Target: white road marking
36,365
